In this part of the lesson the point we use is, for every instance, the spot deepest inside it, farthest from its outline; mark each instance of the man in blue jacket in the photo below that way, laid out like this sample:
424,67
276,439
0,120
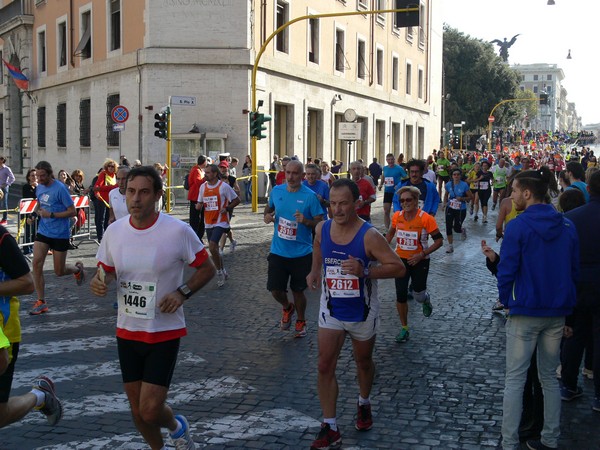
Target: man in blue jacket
586,316
539,265
429,199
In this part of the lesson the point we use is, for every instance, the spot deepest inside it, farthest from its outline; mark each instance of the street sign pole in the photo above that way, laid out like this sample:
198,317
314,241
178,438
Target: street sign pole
168,163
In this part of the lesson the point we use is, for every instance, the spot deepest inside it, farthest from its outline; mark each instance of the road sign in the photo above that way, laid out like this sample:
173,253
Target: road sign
183,100
491,119
119,114
350,131
118,126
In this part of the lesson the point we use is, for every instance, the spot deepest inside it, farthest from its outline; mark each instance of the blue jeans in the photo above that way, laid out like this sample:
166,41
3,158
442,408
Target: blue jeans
523,334
5,203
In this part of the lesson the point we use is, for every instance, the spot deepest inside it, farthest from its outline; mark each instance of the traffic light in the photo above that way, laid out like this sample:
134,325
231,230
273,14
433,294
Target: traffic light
456,141
162,124
543,98
257,121
406,19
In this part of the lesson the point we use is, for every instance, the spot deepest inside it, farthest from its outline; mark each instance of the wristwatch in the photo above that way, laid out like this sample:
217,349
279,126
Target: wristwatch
52,215
185,291
366,272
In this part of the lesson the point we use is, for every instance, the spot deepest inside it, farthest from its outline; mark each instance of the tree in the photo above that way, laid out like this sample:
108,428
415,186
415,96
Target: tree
476,79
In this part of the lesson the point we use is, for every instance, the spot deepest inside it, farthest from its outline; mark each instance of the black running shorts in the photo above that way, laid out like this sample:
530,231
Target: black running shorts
150,363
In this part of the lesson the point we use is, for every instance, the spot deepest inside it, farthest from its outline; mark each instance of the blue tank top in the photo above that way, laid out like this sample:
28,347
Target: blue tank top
347,297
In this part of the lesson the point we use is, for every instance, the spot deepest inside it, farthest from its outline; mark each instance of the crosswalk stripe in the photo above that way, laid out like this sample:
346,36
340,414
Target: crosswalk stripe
67,346
54,309
85,371
213,432
181,393
30,328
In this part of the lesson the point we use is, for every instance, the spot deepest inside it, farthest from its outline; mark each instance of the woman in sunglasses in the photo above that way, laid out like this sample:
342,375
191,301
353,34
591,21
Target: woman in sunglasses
412,227
455,202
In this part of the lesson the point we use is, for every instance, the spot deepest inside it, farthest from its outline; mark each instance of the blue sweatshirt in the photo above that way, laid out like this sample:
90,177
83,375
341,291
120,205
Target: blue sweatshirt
432,200
586,219
539,263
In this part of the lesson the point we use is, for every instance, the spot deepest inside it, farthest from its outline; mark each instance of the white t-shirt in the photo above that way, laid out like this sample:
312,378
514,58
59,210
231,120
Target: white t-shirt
429,175
149,264
116,200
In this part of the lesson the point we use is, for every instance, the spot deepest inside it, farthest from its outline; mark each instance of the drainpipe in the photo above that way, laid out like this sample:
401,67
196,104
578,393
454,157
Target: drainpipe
372,43
71,32
140,118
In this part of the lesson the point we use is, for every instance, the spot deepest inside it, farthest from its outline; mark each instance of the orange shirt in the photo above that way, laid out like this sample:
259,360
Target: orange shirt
412,237
215,198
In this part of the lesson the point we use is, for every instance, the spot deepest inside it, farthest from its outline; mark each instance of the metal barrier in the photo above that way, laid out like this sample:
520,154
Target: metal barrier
26,232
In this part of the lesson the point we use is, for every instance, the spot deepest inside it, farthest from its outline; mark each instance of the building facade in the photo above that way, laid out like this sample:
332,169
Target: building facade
559,113
85,57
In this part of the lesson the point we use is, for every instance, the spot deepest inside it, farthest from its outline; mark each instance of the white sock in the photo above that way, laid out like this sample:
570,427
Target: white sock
363,401
41,397
332,423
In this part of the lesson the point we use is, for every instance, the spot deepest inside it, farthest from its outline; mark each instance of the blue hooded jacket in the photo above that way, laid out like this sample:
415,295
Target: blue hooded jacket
539,263
432,200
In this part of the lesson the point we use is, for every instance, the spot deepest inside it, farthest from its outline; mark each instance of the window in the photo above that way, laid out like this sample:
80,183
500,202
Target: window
408,78
420,87
115,25
548,89
535,78
84,48
362,4
549,77
535,89
379,60
85,123
339,50
41,127
62,44
112,137
41,49
313,40
395,73
421,26
282,16
61,125
361,63
380,4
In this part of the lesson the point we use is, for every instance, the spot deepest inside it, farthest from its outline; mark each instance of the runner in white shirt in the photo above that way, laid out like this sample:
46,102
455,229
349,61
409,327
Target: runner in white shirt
146,254
116,197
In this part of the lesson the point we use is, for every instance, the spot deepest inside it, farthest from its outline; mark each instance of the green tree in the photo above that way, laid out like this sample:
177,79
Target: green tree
476,79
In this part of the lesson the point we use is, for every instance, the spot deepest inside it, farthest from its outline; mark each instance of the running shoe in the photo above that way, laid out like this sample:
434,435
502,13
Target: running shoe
484,219
327,439
52,407
463,233
39,307
4,222
498,306
427,306
596,404
183,439
537,445
220,278
364,419
471,210
450,249
588,373
476,218
232,246
300,328
403,336
286,317
566,394
79,276
494,207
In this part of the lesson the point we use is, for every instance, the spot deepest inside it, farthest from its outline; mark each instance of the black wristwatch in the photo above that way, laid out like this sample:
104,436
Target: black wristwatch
185,291
52,215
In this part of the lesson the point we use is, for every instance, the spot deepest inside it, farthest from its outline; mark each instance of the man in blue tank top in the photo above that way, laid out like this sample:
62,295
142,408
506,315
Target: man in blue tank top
294,210
345,251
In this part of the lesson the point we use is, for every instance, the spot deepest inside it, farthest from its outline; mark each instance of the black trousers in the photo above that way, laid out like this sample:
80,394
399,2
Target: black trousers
197,220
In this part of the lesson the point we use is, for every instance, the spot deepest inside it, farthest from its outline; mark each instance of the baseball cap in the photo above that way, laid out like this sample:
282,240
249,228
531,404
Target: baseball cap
223,164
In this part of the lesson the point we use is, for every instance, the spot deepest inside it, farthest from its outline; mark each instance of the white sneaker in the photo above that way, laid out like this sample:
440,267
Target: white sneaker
220,278
233,245
463,234
450,249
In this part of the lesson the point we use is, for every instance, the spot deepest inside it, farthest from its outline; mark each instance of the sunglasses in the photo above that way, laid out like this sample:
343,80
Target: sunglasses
406,200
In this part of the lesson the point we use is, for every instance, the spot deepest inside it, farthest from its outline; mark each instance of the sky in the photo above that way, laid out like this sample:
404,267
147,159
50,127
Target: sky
547,33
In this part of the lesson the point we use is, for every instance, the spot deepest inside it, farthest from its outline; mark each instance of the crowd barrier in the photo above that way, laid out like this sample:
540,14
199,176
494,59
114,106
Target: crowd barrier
26,232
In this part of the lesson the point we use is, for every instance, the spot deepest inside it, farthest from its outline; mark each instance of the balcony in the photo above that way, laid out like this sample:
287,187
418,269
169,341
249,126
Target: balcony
16,13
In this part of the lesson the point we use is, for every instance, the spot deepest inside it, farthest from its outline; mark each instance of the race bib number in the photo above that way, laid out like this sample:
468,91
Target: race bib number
211,203
287,229
454,203
341,285
407,240
389,181
483,185
137,299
